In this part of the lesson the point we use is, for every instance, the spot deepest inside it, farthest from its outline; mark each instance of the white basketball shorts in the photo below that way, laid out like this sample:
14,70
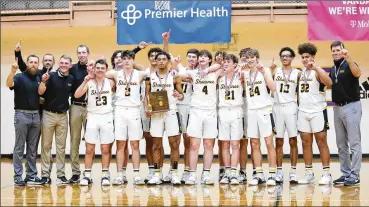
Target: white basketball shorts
168,122
202,123
285,116
183,111
128,123
312,122
260,123
230,123
99,128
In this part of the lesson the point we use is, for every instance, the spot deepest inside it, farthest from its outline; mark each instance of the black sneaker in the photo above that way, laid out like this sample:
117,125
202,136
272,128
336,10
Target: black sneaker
33,181
61,180
19,181
340,180
46,180
352,182
74,179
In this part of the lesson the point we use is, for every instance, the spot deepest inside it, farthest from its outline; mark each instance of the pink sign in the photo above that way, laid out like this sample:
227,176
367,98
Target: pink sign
338,20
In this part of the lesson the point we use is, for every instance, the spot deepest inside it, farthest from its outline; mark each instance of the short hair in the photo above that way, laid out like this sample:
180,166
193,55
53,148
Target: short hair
152,50
219,52
193,51
85,46
128,53
231,57
337,43
50,55
113,57
206,53
287,49
253,53
102,61
244,50
307,48
33,56
162,53
66,57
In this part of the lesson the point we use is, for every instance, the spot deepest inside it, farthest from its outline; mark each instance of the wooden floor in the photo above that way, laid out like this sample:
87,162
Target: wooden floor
167,195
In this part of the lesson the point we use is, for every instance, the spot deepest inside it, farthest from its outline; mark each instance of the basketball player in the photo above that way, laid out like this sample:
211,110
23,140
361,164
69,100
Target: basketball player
285,110
184,107
312,115
203,115
145,120
127,114
100,125
163,80
244,140
230,118
260,121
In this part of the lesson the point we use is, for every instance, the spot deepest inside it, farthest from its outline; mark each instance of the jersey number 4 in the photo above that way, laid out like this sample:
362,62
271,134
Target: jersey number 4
103,102
205,90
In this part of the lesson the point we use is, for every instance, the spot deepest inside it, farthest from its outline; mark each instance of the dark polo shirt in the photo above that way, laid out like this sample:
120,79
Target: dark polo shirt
26,91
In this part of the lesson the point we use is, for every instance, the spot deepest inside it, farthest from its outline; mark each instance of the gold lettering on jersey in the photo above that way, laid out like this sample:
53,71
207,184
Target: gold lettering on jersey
167,85
279,78
255,83
94,92
223,86
123,83
198,81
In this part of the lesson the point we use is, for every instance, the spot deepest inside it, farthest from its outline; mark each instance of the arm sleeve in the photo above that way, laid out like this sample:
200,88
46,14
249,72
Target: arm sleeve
21,63
136,50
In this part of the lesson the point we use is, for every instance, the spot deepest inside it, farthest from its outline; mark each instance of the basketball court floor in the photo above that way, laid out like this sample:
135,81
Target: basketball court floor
199,195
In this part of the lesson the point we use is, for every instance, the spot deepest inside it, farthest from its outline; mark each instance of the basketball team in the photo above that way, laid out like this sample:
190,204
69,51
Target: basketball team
235,100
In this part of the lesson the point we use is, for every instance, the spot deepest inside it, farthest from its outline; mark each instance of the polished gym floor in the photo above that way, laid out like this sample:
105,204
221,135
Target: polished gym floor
199,195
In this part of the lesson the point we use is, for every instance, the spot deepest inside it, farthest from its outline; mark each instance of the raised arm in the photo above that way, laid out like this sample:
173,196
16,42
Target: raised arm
111,74
166,36
42,87
10,79
321,75
18,57
267,77
82,89
355,70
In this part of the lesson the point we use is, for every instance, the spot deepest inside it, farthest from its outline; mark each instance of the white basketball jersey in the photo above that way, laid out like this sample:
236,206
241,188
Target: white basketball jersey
158,84
234,96
311,99
204,95
186,89
286,89
128,96
99,101
257,96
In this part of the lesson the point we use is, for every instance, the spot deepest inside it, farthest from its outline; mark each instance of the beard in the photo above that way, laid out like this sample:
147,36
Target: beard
32,71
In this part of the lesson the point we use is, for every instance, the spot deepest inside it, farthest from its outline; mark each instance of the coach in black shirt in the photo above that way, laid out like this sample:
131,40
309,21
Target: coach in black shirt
56,88
347,113
26,119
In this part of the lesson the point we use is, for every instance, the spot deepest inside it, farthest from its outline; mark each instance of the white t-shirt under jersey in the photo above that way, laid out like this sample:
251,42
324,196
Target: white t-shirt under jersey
158,83
99,104
257,97
311,95
234,98
133,99
286,92
204,95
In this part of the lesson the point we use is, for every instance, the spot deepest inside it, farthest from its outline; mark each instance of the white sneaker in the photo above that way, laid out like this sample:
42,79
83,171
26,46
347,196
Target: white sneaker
326,179
85,181
124,178
293,178
185,175
279,176
271,181
234,180
175,179
105,181
137,180
257,179
149,176
155,180
118,180
308,178
191,180
207,179
242,178
168,178
224,179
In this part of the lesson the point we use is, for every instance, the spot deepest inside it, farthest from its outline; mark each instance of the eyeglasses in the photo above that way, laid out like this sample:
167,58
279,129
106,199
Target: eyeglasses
286,56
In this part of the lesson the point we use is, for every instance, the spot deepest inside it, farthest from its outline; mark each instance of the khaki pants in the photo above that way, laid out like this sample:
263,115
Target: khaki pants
77,118
58,123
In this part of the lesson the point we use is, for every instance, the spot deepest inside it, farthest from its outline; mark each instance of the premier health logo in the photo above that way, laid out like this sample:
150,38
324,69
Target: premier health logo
164,11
